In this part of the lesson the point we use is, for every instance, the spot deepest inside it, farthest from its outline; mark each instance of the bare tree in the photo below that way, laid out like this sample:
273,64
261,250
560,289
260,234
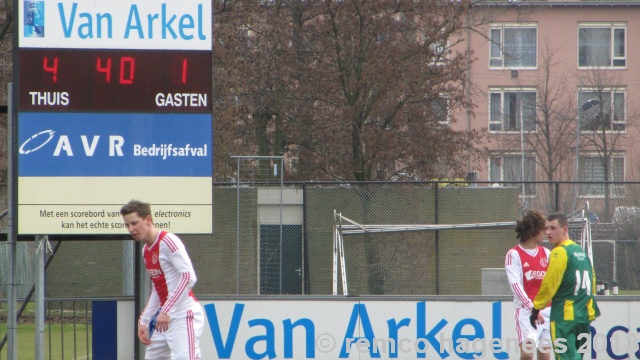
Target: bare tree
6,15
382,71
6,71
349,90
252,79
549,125
604,126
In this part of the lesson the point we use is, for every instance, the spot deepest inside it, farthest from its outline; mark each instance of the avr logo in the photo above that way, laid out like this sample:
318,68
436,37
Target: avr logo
36,141
64,145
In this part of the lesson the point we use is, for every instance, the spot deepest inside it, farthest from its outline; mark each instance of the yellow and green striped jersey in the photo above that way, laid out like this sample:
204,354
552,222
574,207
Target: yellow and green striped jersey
570,283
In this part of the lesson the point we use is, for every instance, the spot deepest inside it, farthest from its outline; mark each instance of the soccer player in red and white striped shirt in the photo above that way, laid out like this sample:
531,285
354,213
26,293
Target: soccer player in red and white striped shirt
526,264
180,318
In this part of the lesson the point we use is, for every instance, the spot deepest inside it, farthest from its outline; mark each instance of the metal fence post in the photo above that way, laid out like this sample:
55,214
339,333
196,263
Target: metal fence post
437,205
39,274
557,202
238,228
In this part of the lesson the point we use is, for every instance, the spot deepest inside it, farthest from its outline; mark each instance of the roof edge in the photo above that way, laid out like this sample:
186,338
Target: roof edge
559,3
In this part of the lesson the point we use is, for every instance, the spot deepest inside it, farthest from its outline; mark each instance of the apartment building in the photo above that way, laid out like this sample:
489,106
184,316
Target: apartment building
540,67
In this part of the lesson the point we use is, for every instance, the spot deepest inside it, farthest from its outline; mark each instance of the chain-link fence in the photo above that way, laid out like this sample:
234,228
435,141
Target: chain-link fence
278,240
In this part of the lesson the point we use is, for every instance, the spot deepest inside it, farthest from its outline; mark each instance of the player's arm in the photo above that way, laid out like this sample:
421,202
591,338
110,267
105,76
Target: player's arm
152,306
512,265
180,261
551,282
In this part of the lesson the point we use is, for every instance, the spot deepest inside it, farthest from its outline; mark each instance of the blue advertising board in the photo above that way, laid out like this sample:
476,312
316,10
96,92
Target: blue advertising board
111,144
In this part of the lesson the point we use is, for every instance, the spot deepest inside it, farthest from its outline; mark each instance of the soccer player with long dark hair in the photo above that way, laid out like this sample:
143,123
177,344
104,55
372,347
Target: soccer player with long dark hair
526,265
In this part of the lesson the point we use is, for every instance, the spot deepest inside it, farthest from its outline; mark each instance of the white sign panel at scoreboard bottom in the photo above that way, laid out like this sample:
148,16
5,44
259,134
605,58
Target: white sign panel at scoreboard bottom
352,329
58,205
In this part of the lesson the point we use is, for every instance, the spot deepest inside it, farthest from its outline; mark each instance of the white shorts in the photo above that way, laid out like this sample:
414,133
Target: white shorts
182,340
526,331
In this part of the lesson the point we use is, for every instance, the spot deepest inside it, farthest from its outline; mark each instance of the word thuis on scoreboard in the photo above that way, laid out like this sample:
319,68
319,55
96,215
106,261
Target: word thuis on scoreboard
114,103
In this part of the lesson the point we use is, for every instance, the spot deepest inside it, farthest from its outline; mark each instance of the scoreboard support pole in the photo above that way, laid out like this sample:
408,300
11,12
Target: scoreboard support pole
12,234
39,274
139,297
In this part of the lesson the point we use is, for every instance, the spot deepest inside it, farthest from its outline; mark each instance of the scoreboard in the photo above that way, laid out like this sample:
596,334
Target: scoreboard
114,104
115,80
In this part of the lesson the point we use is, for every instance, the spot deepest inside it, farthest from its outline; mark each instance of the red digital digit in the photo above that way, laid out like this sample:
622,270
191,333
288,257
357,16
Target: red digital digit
53,69
106,69
179,70
185,67
126,77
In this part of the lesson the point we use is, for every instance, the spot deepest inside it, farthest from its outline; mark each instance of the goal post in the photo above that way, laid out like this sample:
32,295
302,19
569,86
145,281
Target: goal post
344,226
580,220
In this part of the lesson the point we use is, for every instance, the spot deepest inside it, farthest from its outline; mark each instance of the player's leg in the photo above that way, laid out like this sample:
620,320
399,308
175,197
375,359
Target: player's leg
526,334
565,342
158,349
198,326
582,332
544,354
545,343
184,334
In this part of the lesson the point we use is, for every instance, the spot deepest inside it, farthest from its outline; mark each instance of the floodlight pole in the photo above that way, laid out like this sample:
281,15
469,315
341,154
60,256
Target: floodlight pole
524,195
575,173
585,106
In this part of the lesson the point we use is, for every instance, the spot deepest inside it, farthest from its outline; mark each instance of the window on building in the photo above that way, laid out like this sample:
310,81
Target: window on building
513,46
440,51
508,109
610,113
439,109
602,45
509,168
592,169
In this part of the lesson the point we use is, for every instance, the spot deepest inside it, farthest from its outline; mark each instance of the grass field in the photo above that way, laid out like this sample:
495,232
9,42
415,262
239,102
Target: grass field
629,292
70,348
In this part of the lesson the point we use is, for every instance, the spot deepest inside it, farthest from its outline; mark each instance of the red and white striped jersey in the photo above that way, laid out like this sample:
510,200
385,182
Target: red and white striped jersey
525,271
172,276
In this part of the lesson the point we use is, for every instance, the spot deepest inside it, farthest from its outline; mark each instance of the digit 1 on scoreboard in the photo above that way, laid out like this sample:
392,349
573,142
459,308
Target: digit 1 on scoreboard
179,70
53,68
184,71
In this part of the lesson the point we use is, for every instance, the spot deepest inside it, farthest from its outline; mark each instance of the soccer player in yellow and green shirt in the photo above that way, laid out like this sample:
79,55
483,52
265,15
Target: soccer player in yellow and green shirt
570,285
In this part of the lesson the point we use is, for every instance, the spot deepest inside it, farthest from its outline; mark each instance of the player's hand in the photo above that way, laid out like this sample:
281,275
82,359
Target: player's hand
535,318
143,334
162,324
